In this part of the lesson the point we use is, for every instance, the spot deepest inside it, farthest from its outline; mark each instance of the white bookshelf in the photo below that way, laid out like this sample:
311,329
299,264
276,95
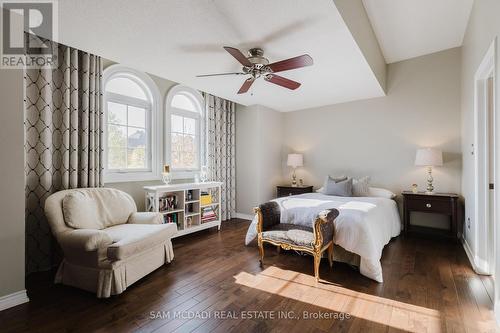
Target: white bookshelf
188,210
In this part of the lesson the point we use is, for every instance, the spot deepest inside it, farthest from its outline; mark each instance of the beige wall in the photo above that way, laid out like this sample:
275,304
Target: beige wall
483,28
12,198
378,137
258,155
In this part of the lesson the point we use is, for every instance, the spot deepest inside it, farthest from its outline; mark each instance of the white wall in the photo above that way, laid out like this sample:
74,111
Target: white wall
378,137
12,197
483,28
258,155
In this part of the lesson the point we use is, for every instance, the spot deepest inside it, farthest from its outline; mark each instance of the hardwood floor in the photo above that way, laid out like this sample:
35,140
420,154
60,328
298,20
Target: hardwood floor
428,286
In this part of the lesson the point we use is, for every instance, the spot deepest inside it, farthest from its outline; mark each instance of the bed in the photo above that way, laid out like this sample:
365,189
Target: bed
362,229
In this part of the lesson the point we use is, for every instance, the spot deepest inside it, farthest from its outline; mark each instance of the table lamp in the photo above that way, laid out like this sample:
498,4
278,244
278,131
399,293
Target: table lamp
295,161
429,157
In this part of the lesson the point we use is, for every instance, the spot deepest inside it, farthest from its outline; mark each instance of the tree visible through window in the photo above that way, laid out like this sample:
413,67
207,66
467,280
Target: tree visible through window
185,115
128,114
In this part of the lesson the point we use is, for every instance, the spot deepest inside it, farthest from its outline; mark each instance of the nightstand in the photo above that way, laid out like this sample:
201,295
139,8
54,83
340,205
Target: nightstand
287,190
438,203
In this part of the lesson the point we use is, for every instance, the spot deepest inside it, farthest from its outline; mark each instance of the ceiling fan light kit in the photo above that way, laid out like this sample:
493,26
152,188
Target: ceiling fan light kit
256,65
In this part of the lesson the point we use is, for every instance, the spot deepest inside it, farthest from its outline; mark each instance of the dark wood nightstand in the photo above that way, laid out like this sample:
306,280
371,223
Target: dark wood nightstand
438,203
287,190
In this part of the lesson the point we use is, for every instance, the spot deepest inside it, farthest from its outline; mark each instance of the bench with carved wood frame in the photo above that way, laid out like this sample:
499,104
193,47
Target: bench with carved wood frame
268,221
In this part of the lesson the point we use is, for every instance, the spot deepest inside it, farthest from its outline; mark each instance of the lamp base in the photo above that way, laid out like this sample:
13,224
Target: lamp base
430,187
430,193
294,179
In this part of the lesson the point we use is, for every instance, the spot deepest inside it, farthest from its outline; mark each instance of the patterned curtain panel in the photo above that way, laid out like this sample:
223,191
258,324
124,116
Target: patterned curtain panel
221,160
63,120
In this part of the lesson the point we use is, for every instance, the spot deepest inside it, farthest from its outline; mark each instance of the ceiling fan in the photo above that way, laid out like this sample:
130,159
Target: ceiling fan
256,65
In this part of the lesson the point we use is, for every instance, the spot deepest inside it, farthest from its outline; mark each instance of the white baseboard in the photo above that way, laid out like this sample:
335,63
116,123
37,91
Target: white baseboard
473,259
13,299
244,216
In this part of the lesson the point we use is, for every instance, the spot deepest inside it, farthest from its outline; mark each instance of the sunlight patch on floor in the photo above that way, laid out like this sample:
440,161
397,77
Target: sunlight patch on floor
303,288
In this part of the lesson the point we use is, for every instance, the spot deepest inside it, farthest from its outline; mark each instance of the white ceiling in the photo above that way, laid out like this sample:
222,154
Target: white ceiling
410,28
179,39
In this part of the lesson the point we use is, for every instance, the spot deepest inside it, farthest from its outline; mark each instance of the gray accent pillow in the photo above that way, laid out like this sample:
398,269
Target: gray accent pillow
340,189
333,179
336,179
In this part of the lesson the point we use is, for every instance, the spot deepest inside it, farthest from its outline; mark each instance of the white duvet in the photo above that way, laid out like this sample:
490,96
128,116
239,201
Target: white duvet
364,226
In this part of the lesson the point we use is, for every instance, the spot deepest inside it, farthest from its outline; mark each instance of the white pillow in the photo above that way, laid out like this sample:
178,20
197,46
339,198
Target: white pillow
361,187
80,211
381,193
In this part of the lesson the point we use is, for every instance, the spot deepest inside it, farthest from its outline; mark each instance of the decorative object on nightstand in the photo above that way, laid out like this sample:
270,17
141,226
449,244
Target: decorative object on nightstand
414,188
437,203
429,157
166,176
287,190
295,161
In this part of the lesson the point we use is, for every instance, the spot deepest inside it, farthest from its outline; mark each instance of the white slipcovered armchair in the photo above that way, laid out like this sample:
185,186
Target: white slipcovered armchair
107,244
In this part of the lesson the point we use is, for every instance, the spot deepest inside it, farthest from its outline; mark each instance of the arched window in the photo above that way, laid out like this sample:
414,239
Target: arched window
184,107
131,134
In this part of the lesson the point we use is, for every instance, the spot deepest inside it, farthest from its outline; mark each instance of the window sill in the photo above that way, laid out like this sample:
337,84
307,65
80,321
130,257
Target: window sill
124,177
184,174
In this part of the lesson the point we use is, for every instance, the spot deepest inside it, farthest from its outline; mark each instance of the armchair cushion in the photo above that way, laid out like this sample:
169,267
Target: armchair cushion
145,218
85,239
80,211
129,239
96,208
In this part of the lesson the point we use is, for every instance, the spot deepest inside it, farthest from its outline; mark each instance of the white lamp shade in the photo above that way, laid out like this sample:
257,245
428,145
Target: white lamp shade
295,160
429,157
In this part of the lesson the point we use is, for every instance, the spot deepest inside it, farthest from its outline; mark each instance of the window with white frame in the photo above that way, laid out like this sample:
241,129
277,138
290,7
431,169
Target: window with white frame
131,137
184,108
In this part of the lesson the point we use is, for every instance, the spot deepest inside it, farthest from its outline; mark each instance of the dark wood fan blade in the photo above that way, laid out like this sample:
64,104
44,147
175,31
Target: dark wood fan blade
238,56
246,85
292,63
220,74
281,81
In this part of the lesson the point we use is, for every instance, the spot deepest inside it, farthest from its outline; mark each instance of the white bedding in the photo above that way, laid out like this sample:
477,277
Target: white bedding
364,226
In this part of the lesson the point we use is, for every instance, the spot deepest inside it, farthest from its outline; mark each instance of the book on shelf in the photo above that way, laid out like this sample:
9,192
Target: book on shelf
173,218
205,198
208,214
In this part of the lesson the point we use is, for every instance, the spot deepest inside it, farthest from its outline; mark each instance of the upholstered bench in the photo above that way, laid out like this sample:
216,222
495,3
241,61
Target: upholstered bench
313,240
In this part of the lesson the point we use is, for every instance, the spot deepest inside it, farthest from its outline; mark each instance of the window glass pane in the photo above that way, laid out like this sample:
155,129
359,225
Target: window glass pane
181,101
136,117
117,113
127,87
190,126
136,158
176,160
189,160
117,158
177,124
177,142
117,136
189,143
137,138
